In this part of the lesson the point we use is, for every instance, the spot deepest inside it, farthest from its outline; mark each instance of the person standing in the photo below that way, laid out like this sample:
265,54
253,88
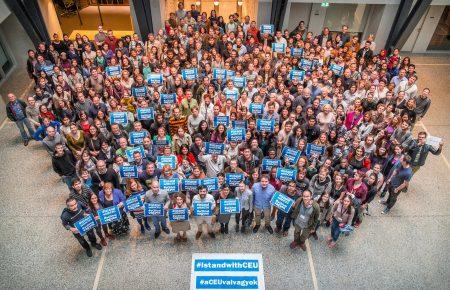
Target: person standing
284,219
342,215
306,217
419,151
245,196
63,163
70,215
16,112
398,182
262,192
157,195
204,196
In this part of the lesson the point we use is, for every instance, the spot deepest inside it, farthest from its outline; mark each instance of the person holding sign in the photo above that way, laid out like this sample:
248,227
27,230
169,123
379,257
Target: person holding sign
202,221
157,195
180,227
245,196
306,217
94,207
342,214
262,192
72,214
111,196
419,151
223,219
284,219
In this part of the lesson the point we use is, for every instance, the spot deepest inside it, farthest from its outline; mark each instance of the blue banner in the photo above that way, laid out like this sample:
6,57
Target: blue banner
166,160
109,214
265,125
337,69
296,74
230,73
236,135
153,209
224,120
231,94
190,184
129,152
214,148
161,143
170,185
267,28
118,118
285,174
202,208
211,184
113,71
240,82
139,91
155,79
239,124
178,214
230,206
256,108
137,138
306,64
145,113
278,47
128,171
282,201
314,149
296,52
48,69
219,73
291,154
233,179
267,164
134,202
227,282
85,224
165,99
189,74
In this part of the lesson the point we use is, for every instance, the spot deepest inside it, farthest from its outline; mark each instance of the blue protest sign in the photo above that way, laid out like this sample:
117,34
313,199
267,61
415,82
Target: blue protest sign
113,71
267,28
336,69
85,224
267,164
285,174
145,113
231,94
278,47
256,108
129,152
240,82
134,202
190,184
324,102
265,125
236,135
314,149
306,64
137,138
48,69
282,201
166,99
230,206
230,73
239,124
296,74
139,91
202,208
219,73
166,160
214,148
211,184
170,185
296,52
178,214
153,209
233,179
161,143
155,79
118,118
291,154
109,214
128,171
224,120
189,74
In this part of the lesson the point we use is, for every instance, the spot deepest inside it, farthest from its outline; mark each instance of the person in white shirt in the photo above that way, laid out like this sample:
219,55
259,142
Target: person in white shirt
202,221
280,39
214,163
408,86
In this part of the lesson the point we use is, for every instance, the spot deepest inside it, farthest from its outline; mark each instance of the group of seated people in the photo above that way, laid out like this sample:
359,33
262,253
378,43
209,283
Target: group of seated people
302,129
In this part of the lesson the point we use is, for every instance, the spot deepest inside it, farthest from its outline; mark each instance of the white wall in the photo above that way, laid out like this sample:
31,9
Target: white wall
264,9
387,18
4,11
317,18
296,13
429,26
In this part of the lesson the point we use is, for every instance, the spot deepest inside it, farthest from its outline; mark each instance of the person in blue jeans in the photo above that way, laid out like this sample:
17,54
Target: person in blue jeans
157,195
341,215
284,220
15,110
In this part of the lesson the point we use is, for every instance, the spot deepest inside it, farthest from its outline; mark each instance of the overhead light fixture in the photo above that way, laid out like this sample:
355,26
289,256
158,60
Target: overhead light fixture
198,3
216,3
240,2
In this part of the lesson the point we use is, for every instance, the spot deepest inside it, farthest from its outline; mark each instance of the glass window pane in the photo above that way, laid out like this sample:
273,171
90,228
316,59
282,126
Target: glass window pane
441,36
350,14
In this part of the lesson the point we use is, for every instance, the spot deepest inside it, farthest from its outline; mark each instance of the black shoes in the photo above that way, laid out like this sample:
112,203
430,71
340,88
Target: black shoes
212,235
256,228
26,144
97,246
157,234
269,229
166,230
237,228
89,252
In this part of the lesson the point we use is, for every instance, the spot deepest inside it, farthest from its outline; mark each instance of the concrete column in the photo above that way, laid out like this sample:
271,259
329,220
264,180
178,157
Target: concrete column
316,22
426,31
387,18
50,17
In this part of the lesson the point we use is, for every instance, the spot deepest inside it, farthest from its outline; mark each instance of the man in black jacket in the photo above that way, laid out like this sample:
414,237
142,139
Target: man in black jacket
15,110
70,215
63,163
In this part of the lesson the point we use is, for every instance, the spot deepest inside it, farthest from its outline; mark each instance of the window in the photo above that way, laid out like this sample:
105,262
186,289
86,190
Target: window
6,63
441,36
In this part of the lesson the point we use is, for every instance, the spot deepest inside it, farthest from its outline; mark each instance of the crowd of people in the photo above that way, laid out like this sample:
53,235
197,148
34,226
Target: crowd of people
322,120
